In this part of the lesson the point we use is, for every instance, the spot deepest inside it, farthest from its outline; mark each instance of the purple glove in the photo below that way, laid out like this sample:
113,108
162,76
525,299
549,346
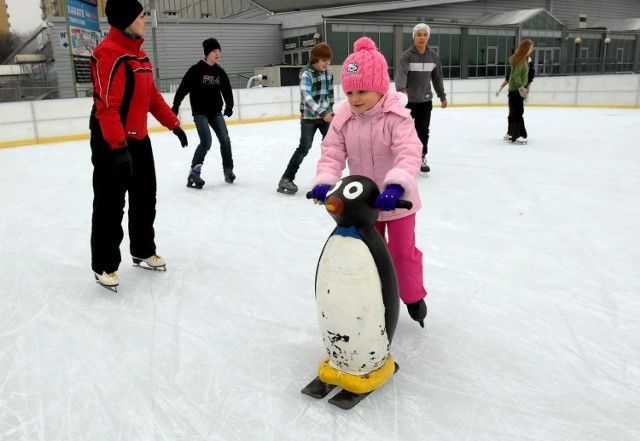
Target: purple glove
388,199
319,192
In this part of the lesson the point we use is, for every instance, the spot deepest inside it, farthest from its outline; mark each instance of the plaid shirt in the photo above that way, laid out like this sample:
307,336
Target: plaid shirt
316,93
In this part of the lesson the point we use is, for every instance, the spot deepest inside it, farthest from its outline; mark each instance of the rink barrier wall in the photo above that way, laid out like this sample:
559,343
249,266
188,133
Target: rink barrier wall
60,120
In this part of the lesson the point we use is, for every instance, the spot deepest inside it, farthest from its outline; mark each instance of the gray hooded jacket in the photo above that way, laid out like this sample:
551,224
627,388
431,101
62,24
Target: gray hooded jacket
415,73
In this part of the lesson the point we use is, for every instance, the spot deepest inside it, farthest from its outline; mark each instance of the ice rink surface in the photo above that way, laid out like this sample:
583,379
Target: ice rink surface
531,259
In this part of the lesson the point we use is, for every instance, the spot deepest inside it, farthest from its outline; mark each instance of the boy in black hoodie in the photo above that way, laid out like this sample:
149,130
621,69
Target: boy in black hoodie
207,84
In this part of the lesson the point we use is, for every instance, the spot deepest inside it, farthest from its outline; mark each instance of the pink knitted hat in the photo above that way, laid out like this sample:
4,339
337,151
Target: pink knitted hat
365,69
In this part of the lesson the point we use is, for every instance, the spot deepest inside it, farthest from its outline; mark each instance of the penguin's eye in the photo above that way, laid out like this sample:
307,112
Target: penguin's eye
353,190
336,186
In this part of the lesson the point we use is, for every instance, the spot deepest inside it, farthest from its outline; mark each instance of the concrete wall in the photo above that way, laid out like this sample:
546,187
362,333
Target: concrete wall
33,122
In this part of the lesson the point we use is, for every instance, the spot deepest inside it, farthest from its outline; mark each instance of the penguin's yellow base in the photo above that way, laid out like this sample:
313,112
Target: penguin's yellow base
358,384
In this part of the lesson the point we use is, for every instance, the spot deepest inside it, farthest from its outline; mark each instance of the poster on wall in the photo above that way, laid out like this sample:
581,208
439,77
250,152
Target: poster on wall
84,35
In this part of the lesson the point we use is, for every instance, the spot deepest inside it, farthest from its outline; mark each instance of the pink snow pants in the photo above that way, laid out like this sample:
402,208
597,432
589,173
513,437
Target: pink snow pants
401,239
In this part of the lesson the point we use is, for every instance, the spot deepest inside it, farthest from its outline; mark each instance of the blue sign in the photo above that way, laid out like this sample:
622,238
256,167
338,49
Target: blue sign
82,15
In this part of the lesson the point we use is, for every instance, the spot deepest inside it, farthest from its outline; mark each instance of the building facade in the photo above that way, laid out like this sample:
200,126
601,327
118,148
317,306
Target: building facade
5,27
165,8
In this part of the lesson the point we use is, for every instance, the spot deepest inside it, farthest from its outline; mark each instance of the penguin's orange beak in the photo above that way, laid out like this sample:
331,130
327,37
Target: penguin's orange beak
334,206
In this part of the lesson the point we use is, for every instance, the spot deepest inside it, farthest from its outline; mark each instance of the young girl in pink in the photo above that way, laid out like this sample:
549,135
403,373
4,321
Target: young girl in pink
375,136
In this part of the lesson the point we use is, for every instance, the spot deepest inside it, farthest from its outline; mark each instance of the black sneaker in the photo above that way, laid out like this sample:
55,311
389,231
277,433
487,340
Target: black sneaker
286,186
424,168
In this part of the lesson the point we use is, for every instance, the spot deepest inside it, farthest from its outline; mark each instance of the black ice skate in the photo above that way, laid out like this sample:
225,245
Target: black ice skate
154,262
424,167
107,280
418,311
194,179
229,177
286,186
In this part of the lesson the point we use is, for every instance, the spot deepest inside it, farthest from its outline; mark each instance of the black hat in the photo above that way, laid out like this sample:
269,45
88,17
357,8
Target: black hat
210,45
121,13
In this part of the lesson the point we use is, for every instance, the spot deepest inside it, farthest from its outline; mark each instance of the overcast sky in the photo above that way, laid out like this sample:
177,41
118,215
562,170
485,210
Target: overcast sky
24,15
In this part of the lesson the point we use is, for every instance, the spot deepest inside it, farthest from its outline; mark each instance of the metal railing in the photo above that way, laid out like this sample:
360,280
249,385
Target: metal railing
20,90
238,80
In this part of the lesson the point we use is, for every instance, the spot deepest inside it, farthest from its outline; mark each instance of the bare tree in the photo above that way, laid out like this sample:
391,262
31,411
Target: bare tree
9,42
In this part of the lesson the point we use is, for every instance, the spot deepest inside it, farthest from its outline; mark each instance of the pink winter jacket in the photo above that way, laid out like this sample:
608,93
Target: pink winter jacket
381,144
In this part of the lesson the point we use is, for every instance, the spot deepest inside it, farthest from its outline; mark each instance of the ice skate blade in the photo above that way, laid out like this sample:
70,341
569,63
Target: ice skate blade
285,191
112,288
144,265
192,185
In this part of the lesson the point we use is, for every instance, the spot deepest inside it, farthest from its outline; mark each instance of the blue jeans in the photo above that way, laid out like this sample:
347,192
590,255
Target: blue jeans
307,131
220,128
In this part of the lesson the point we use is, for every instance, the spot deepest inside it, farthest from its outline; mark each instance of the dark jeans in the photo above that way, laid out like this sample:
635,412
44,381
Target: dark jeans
220,128
515,118
307,131
421,114
109,201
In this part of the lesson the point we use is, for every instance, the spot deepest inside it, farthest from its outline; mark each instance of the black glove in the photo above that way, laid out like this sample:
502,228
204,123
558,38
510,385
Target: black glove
228,111
175,109
124,166
181,136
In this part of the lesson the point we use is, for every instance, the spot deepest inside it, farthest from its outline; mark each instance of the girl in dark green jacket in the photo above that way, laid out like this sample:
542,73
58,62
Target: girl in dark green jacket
517,90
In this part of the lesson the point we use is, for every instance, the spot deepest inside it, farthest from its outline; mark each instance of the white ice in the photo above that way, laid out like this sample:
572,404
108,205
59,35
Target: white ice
531,253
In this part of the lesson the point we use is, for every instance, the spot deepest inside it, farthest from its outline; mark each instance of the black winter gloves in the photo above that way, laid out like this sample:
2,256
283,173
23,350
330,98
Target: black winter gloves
228,111
181,136
124,167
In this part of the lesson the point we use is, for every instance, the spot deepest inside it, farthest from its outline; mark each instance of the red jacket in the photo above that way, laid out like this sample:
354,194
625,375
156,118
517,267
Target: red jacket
124,91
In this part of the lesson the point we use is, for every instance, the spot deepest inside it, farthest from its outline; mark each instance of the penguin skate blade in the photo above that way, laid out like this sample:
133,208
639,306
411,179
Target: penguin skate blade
347,400
285,191
144,265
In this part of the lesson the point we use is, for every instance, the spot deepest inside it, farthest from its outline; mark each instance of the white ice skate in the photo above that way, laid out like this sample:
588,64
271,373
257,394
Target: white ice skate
521,140
108,280
154,262
507,137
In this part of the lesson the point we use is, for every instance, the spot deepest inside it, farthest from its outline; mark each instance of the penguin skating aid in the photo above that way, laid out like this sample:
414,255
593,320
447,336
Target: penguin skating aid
356,296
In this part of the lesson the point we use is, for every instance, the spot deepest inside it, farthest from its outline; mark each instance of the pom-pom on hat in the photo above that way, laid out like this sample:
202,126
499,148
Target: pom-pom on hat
421,26
210,45
121,13
365,69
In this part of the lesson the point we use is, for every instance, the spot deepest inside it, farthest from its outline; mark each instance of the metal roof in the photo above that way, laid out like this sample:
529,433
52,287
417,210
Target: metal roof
279,6
343,7
617,25
306,12
507,17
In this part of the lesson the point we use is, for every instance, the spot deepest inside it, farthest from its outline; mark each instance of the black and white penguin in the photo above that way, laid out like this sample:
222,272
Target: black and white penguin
356,291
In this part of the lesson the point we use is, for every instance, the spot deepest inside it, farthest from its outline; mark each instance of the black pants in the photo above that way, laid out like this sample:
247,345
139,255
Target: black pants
307,131
515,118
109,201
421,114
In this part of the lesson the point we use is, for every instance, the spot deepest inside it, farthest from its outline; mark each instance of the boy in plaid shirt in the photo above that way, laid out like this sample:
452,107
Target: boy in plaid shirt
316,110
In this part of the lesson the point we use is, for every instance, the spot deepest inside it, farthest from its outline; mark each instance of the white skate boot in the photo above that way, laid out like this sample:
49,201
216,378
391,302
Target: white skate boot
108,280
154,262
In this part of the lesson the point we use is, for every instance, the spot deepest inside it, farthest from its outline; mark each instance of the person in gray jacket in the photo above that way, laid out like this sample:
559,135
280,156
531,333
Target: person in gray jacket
420,66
